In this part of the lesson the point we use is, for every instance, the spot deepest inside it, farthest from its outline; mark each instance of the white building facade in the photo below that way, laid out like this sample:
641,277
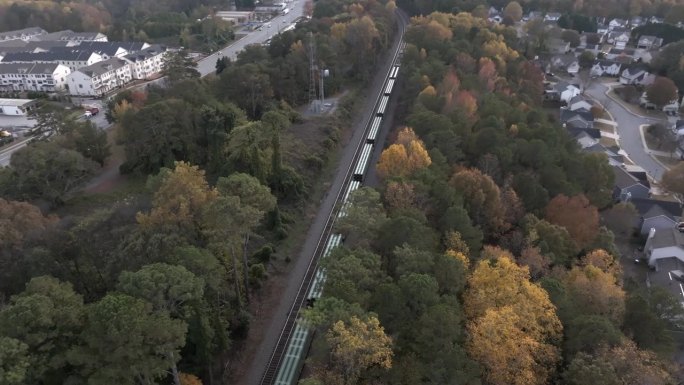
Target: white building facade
100,78
41,77
148,62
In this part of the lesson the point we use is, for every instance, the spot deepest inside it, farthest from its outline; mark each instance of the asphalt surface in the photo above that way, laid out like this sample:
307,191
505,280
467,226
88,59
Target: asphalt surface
270,335
628,128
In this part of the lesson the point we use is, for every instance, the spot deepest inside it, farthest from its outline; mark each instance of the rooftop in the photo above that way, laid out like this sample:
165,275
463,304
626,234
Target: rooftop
59,55
623,179
103,67
18,34
644,205
667,238
146,53
28,68
15,102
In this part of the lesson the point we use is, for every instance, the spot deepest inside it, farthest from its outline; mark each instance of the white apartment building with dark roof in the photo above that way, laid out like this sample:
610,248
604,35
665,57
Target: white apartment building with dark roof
43,77
100,78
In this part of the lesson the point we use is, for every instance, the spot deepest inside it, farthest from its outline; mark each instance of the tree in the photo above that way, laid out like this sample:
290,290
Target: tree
168,288
405,157
673,180
649,314
500,282
52,118
352,275
358,345
399,195
125,341
577,215
595,292
47,171
508,353
14,361
189,379
18,221
179,66
46,318
585,369
586,59
482,199
587,333
91,142
537,262
662,92
363,216
513,11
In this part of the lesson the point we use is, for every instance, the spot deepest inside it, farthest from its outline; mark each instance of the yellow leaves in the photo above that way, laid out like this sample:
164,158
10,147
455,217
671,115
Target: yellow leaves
181,196
513,323
338,31
596,292
358,345
428,91
405,157
399,195
509,354
189,379
391,6
356,9
457,255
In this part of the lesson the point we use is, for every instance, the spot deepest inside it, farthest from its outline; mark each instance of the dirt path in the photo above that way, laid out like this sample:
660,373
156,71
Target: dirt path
108,178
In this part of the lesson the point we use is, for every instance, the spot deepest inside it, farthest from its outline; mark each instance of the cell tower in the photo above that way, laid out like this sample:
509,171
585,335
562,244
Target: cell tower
313,70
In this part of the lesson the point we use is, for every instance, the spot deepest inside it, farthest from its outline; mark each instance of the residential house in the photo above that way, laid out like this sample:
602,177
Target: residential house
577,119
585,140
552,17
557,46
618,39
636,75
561,91
656,214
148,62
100,78
42,77
649,42
664,248
69,35
656,20
73,59
614,158
535,15
627,186
606,68
602,29
580,103
566,62
495,16
636,21
22,34
110,49
617,54
617,23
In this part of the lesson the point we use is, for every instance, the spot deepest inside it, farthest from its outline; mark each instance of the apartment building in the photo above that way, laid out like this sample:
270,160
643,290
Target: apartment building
147,62
25,34
69,35
71,58
43,77
100,78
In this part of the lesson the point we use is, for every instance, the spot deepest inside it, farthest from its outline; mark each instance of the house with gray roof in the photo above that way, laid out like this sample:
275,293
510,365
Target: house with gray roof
628,187
42,77
71,58
606,68
22,34
100,78
636,74
577,118
656,214
649,42
664,247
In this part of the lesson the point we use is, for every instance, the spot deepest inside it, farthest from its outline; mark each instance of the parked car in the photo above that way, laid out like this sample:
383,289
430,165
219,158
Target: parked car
6,137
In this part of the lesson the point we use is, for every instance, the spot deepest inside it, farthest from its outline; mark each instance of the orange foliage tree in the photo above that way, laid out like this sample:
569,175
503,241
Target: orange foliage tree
399,195
593,291
577,215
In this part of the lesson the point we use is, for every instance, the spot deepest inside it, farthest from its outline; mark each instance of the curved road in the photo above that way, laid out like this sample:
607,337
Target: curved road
628,128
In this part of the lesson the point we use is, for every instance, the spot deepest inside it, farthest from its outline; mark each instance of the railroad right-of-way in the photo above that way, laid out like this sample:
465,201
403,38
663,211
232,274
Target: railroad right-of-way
280,355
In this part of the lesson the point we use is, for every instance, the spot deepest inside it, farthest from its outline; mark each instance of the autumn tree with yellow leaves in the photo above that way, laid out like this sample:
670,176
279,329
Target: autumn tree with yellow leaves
357,346
403,158
513,329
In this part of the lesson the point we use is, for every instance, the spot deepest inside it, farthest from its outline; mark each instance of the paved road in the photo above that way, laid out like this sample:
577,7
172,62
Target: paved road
628,129
208,64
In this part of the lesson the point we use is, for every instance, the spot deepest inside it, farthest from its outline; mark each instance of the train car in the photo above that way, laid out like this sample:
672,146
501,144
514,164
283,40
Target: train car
373,132
353,186
291,366
382,106
394,72
390,85
362,163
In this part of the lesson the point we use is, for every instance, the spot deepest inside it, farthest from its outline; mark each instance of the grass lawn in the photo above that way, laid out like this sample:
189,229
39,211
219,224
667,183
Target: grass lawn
608,142
604,127
667,161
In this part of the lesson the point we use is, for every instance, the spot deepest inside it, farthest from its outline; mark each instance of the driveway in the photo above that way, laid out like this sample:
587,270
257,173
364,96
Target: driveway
628,128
